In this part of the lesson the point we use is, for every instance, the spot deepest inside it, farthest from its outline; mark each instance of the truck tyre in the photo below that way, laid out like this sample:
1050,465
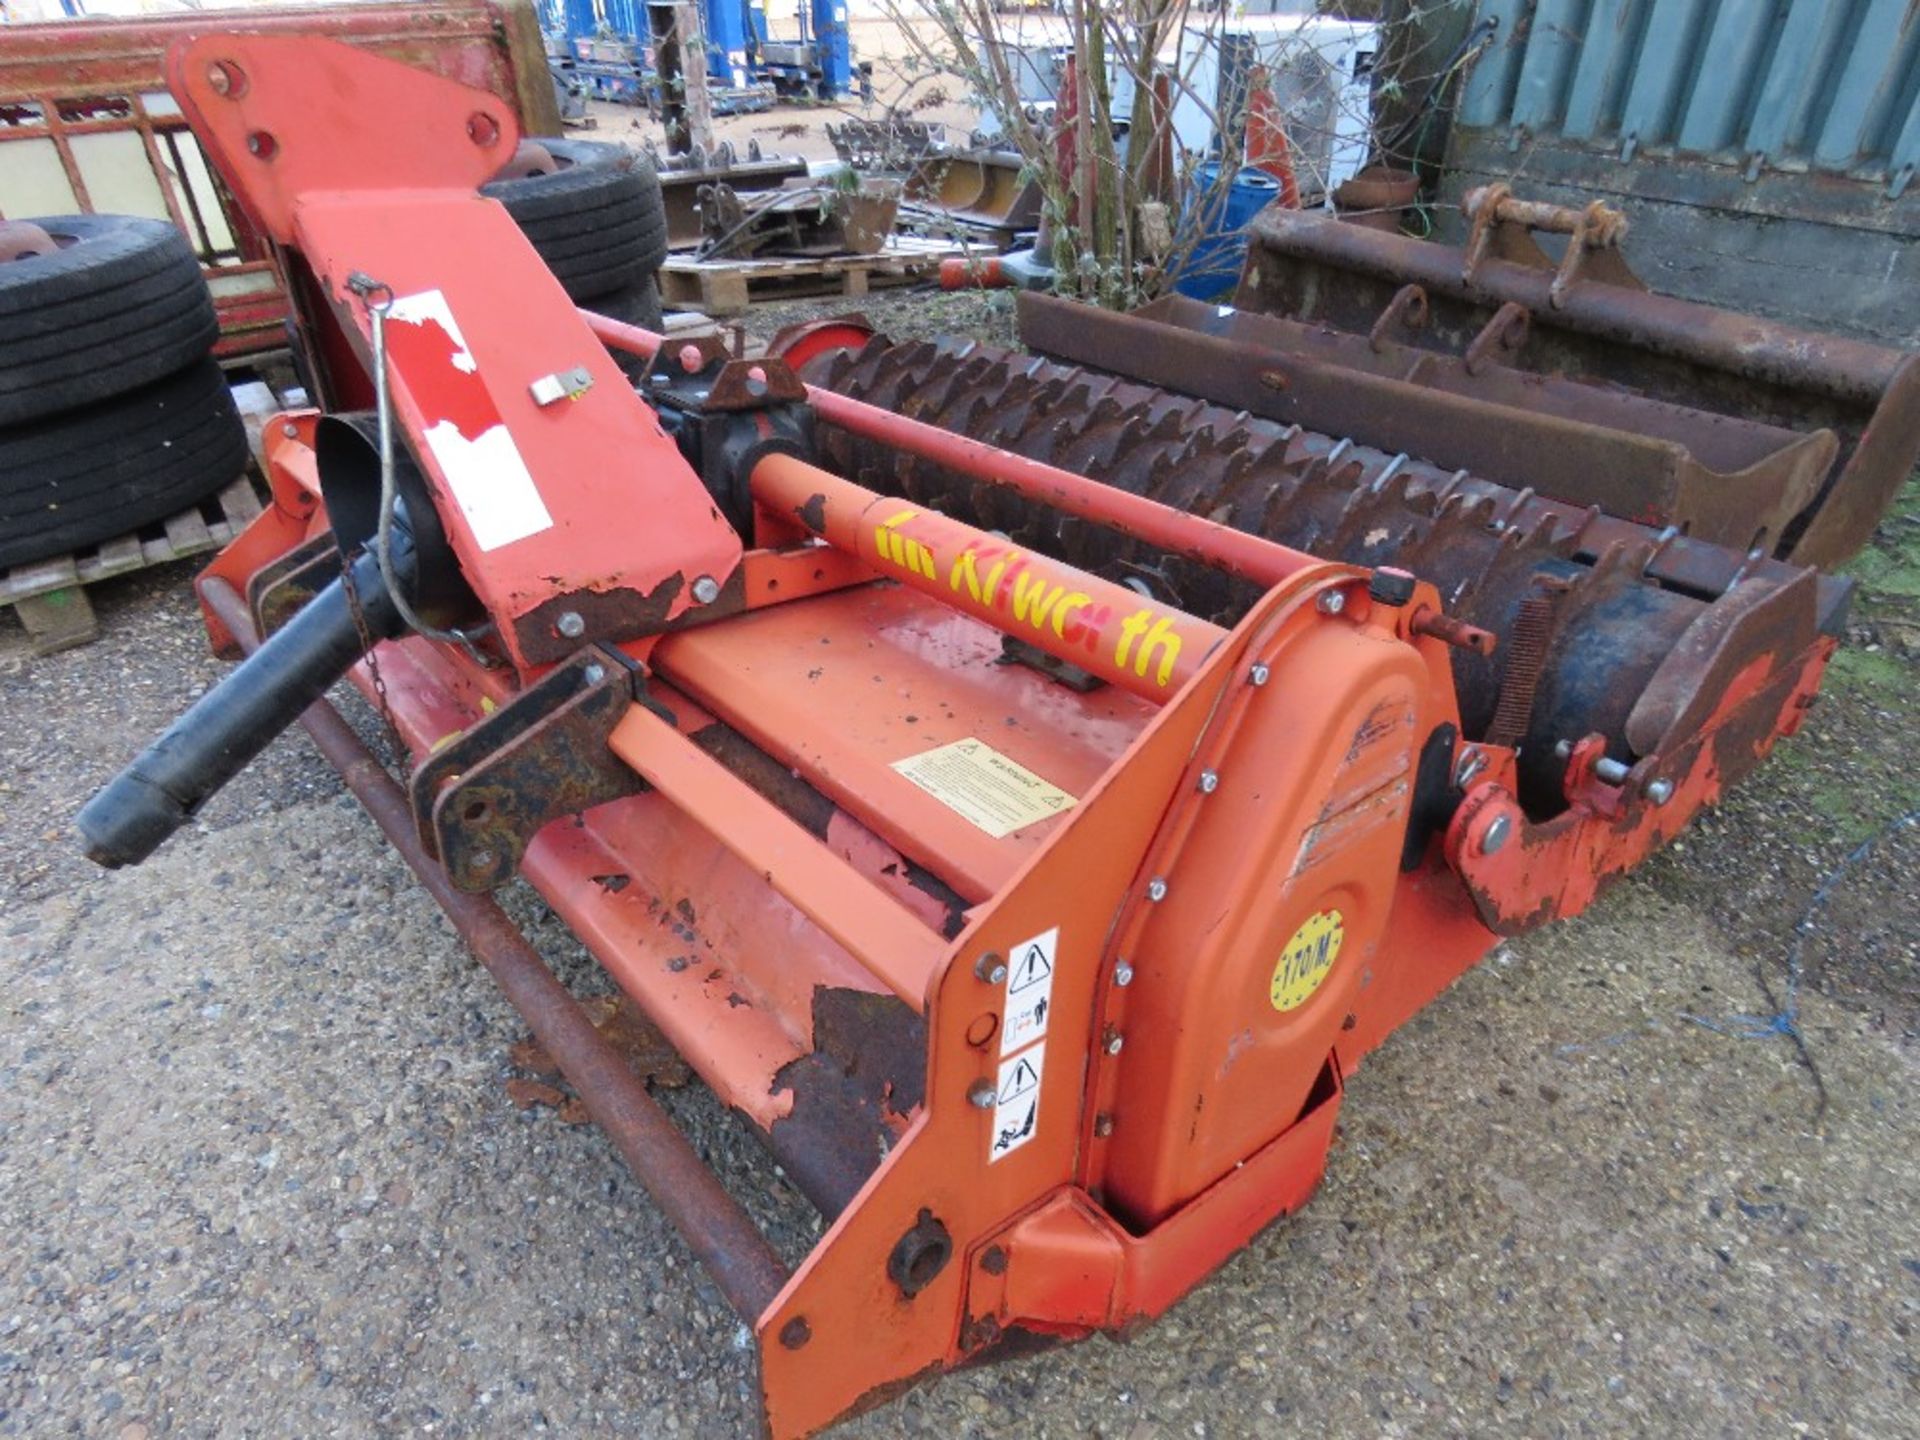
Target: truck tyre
90,475
596,218
120,303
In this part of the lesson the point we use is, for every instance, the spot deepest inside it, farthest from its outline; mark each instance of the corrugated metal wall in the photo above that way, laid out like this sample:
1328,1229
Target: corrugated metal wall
1828,85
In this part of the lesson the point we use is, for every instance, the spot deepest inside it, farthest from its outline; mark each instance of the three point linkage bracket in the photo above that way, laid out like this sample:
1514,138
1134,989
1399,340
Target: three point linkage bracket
480,798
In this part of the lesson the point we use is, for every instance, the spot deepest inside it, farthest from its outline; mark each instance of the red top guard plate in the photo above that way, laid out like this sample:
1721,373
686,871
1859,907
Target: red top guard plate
582,504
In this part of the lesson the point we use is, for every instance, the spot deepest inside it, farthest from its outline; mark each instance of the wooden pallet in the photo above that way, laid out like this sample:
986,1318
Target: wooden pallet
50,596
728,287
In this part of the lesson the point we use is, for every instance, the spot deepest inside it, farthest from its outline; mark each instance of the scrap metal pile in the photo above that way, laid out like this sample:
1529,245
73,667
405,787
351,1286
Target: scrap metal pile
982,191
1023,788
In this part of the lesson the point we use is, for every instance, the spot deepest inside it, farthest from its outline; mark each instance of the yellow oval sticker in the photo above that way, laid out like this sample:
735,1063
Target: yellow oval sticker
1308,958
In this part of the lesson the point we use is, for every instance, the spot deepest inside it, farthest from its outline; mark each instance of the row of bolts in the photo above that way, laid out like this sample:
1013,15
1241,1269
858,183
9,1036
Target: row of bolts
992,966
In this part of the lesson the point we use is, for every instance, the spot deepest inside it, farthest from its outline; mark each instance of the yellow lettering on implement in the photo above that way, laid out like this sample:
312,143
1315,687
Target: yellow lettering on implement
1072,602
1155,633
1162,638
1033,600
966,573
1130,629
903,550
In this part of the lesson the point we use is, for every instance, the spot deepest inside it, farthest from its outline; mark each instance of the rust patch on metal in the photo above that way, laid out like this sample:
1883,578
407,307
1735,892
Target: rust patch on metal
481,798
609,615
852,1093
815,812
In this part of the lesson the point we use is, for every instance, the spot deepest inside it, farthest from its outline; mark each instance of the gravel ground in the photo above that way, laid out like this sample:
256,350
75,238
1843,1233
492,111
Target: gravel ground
259,1173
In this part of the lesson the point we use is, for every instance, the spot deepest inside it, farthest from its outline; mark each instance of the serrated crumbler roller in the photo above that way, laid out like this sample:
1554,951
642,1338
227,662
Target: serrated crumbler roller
1585,606
1021,792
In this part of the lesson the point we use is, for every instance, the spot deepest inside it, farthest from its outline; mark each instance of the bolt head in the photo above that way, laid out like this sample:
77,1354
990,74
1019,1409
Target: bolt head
1258,674
981,1094
1660,791
992,968
594,673
706,590
570,624
1123,974
290,430
1209,782
1472,761
1564,749
1331,602
1115,1042
1156,889
1494,838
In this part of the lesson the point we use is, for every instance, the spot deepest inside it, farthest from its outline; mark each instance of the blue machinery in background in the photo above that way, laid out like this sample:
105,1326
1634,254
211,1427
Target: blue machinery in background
818,64
605,44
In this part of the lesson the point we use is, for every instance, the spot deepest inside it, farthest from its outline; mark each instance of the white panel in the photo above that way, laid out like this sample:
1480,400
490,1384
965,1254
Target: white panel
32,181
119,177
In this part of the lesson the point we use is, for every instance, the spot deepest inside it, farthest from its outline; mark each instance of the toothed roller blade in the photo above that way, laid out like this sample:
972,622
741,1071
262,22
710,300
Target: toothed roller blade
1488,549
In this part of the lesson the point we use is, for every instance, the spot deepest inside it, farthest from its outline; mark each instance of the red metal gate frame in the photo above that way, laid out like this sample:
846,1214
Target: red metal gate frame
54,76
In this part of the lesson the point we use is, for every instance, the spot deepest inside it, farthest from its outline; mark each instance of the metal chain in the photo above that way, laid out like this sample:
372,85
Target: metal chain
367,645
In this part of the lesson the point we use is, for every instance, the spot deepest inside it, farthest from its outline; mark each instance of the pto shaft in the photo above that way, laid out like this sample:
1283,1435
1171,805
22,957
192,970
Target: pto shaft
238,718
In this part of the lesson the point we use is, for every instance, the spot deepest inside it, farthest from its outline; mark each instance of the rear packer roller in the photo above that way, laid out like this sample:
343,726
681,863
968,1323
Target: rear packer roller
1586,609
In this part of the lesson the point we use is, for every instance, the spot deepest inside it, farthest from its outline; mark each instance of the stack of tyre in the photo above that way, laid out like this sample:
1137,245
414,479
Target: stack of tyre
593,211
113,414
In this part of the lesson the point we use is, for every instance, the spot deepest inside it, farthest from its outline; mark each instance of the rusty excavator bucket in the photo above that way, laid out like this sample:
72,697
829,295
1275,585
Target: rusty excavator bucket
1565,375
1022,791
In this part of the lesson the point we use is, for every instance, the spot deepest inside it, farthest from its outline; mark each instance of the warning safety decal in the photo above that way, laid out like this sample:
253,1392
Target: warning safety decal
1016,1104
984,787
1023,1044
1029,991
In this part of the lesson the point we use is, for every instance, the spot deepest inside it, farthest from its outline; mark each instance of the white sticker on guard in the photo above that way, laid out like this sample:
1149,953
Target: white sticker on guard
984,787
1029,990
482,465
1016,1105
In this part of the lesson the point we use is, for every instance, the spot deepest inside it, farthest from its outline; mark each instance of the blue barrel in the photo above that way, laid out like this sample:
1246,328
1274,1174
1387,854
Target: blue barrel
1219,218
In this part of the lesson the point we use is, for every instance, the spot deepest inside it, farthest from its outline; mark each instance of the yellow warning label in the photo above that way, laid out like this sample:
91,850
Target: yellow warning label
984,787
1307,959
